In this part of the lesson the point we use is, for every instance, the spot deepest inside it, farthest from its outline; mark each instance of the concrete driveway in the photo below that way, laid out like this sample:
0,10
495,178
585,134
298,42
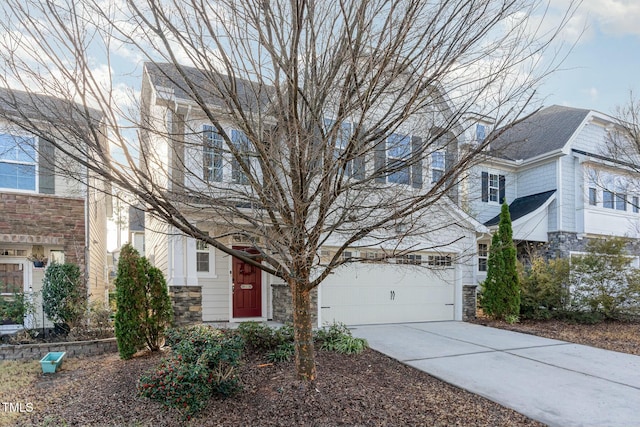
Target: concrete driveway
554,382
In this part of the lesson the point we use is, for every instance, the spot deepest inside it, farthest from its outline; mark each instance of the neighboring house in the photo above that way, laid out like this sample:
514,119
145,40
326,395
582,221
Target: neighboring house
563,186
44,211
377,292
136,229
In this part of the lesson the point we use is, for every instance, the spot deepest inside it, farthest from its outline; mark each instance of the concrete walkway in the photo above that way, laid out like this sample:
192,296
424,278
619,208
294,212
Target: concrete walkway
554,382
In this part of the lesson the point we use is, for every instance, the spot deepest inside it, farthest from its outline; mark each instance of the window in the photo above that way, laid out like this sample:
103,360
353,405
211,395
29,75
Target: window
398,153
17,162
409,259
483,254
480,132
202,257
493,187
634,204
212,154
593,197
439,261
607,199
621,202
611,200
347,255
11,278
241,145
437,165
342,140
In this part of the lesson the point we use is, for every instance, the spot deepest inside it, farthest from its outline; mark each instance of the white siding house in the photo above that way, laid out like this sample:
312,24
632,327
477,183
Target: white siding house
401,289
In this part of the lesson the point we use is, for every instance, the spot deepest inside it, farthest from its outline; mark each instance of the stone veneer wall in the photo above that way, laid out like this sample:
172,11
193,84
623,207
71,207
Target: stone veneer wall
44,220
73,349
187,304
282,305
469,302
561,244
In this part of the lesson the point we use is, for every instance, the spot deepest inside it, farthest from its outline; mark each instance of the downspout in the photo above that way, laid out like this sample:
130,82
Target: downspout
87,235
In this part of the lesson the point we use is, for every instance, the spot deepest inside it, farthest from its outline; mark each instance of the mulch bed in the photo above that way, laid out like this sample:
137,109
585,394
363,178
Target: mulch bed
368,389
610,335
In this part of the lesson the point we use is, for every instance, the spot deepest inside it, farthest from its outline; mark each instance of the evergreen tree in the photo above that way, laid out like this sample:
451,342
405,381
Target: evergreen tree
143,304
501,289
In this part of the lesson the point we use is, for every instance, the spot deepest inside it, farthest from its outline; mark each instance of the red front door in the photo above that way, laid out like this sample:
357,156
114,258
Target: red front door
247,288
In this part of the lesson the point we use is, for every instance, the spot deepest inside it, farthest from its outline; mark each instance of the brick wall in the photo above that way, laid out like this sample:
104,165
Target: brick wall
283,307
187,304
73,349
44,220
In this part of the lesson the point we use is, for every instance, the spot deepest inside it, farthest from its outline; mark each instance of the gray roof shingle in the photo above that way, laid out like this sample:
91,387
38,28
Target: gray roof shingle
523,206
250,94
547,130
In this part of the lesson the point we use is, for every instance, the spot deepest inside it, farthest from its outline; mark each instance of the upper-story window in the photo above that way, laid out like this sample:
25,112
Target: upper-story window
493,187
593,196
611,200
634,204
342,138
212,154
17,162
481,131
238,164
398,155
438,165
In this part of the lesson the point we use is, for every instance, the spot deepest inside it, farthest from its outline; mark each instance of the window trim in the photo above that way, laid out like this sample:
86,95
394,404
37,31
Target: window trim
31,141
395,161
593,196
435,169
483,255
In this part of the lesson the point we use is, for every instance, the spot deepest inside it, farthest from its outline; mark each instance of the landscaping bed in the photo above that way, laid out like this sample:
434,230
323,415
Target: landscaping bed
365,389
609,335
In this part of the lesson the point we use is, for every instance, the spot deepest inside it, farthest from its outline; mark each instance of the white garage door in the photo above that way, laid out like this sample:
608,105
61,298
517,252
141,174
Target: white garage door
382,293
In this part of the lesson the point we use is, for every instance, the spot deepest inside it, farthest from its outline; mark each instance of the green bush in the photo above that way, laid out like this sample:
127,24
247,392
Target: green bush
544,289
603,280
337,337
143,304
64,295
16,307
282,353
261,337
204,361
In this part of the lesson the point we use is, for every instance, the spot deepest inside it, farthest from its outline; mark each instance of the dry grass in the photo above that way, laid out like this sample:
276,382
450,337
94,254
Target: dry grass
15,377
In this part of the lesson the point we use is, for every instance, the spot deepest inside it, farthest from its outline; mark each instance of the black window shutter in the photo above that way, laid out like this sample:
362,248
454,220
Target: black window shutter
46,167
501,189
359,163
416,166
380,161
485,186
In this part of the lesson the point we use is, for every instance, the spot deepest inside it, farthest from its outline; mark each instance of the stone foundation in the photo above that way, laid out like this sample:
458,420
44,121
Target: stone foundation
187,304
469,302
283,307
561,244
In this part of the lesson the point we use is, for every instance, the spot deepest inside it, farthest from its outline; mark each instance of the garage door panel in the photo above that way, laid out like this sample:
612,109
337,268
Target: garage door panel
374,293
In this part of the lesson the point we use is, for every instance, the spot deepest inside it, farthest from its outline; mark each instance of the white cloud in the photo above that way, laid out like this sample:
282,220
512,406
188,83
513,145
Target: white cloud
612,17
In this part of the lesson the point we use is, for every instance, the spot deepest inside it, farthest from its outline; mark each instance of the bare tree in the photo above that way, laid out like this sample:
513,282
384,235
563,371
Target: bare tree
325,96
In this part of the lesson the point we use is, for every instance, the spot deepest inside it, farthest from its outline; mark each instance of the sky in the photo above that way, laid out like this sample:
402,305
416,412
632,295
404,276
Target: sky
604,64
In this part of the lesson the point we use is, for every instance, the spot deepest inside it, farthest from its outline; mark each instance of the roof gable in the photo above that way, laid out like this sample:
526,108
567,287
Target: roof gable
545,131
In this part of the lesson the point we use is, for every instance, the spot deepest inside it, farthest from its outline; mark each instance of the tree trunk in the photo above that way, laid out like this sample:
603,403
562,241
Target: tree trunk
303,332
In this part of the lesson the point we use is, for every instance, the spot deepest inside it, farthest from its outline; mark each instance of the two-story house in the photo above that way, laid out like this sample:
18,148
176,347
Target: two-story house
49,207
563,185
226,289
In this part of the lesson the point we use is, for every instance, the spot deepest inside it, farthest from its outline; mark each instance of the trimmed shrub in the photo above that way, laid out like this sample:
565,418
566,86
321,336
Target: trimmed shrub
204,362
64,295
545,291
143,304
